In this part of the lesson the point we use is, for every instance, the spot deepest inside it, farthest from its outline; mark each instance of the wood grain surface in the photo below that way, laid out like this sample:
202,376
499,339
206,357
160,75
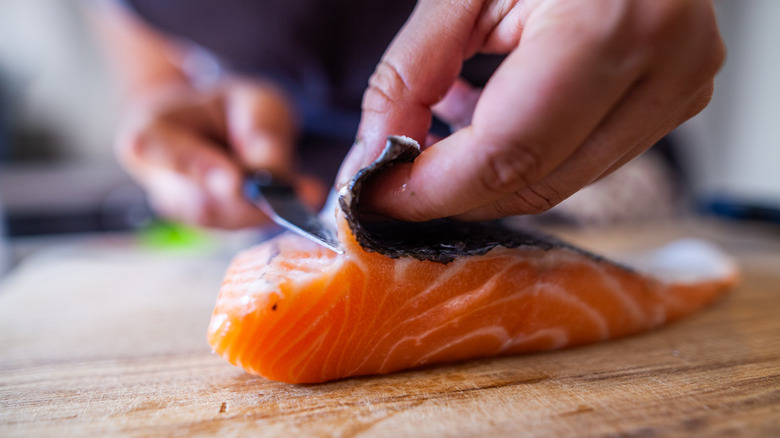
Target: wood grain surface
110,340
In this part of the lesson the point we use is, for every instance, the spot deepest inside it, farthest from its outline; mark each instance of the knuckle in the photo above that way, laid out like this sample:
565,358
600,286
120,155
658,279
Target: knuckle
665,20
700,101
664,24
698,83
507,207
136,137
709,58
510,169
533,199
131,147
385,87
714,55
705,96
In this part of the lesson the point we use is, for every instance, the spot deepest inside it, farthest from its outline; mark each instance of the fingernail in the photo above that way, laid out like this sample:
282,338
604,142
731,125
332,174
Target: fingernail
219,183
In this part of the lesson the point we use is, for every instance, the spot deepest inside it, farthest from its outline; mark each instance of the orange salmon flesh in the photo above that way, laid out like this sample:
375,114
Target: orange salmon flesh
292,311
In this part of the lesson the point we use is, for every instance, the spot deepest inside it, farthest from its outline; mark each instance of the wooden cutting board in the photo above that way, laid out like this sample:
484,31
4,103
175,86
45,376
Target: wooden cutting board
110,340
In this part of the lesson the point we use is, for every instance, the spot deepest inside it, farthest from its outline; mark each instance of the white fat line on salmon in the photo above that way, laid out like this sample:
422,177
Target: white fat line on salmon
462,305
361,267
417,338
246,349
247,304
238,350
353,331
447,309
400,267
496,331
466,299
573,299
553,290
557,334
611,283
254,284
218,322
309,354
345,325
249,259
309,326
312,264
453,268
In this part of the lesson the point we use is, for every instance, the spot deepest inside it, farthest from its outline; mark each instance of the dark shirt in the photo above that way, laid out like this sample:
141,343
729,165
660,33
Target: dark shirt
322,52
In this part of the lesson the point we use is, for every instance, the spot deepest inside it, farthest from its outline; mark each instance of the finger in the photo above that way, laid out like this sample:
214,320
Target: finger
178,105
416,71
546,98
176,197
551,112
677,87
261,127
457,106
647,114
695,106
167,145
188,177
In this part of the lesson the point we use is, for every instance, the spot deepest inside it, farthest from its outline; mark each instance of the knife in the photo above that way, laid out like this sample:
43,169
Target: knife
279,201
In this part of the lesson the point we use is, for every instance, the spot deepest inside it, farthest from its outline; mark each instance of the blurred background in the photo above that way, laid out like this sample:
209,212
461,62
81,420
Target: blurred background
59,109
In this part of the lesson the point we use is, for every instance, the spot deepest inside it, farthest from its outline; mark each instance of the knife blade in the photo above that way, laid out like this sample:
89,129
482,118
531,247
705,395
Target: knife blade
279,201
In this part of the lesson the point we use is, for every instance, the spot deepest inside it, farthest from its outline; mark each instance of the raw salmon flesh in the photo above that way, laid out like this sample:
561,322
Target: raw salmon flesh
292,311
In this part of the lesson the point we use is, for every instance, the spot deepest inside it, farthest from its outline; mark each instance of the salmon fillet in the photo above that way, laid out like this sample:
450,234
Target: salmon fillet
292,311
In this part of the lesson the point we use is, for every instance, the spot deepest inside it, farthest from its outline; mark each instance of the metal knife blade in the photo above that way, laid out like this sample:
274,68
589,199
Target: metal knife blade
279,201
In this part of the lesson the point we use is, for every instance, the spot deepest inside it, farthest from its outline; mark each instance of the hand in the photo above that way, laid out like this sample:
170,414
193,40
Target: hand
587,85
191,149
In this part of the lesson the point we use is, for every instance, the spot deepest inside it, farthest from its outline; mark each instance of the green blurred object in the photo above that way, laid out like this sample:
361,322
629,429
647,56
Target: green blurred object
165,235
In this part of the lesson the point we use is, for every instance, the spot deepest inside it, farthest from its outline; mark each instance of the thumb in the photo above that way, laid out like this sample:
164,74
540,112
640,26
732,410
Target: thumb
415,72
261,127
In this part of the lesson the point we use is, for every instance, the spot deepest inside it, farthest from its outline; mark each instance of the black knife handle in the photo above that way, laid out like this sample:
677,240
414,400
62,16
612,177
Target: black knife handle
263,179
